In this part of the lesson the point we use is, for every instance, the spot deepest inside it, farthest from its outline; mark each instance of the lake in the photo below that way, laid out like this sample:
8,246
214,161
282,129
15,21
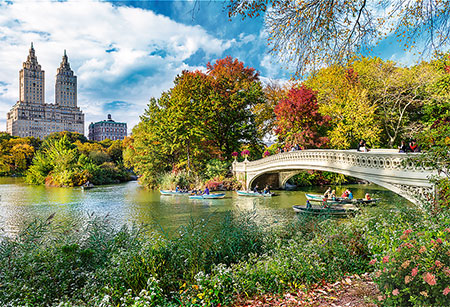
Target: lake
130,203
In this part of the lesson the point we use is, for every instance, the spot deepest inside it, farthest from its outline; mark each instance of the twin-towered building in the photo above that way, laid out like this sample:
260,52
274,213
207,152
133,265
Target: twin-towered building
32,116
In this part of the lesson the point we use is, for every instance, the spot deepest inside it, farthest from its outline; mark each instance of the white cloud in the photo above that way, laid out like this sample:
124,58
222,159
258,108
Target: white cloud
130,72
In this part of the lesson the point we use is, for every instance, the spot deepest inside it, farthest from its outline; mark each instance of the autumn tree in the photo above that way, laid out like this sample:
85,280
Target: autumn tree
204,116
352,115
400,94
311,34
235,90
264,112
298,120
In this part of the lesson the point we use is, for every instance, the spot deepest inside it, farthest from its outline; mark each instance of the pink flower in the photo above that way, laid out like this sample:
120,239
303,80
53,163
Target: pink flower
245,152
414,272
422,249
447,229
439,240
234,154
406,264
408,279
446,291
373,261
438,263
266,154
378,273
429,279
385,259
380,298
407,231
395,292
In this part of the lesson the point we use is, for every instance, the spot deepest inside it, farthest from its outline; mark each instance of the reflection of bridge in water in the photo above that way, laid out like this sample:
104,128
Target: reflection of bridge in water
384,167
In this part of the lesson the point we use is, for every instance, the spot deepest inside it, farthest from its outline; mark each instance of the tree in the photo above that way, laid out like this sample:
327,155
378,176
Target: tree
264,112
235,90
204,116
311,33
342,98
299,120
400,94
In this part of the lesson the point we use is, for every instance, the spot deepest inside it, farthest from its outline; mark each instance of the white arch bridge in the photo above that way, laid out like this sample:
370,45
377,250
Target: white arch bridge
384,167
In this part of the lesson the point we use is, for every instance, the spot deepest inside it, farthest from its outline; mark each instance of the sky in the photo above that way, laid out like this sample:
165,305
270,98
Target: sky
125,52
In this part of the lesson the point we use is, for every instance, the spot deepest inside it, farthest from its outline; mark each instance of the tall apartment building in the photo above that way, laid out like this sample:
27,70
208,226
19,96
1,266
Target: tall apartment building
107,129
31,116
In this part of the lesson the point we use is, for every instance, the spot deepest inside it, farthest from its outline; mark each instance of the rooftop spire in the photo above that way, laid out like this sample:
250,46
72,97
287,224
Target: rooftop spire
31,45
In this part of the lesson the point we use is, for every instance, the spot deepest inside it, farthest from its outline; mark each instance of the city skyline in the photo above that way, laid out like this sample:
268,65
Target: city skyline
124,53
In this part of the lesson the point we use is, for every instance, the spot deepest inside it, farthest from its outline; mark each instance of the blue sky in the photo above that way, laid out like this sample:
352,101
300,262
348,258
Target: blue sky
126,52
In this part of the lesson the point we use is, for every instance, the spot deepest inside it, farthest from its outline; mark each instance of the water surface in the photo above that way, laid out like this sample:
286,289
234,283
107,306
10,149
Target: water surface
130,203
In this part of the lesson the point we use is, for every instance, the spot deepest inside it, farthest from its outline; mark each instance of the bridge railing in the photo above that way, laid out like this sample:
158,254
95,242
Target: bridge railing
378,159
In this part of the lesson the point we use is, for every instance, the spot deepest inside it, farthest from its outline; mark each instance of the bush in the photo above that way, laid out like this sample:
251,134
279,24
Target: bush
216,168
417,272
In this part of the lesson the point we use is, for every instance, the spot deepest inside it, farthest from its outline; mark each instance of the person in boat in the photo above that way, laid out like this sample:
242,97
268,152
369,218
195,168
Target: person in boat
266,190
177,189
403,147
333,195
87,184
297,147
350,194
255,189
206,191
308,204
367,197
413,147
327,193
345,194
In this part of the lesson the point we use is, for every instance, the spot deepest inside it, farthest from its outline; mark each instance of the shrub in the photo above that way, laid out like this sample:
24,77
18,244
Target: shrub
417,272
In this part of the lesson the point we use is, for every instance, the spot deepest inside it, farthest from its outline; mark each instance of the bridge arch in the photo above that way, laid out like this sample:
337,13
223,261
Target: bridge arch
385,168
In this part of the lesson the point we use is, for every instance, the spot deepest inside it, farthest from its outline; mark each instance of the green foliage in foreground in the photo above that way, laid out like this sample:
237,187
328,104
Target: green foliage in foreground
210,262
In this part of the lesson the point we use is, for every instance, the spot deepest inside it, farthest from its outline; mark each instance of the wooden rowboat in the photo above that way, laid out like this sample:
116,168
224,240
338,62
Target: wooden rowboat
253,194
325,211
170,192
207,196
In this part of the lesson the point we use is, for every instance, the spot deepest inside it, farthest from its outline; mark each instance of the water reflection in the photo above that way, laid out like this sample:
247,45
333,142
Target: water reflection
130,203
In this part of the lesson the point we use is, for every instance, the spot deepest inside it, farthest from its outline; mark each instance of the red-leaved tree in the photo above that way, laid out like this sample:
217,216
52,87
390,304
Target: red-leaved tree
298,120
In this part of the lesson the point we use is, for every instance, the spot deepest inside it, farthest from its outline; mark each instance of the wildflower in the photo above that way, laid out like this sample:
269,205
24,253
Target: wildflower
447,229
429,279
380,298
422,249
385,259
406,264
407,231
446,291
373,261
439,240
408,279
409,245
414,272
424,293
438,264
395,292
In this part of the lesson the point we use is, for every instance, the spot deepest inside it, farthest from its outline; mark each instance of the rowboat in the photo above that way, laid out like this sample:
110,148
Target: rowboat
313,197
253,194
87,186
324,211
170,192
207,196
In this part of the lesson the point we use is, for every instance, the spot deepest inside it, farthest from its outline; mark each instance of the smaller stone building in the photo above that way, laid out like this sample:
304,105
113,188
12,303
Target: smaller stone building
107,129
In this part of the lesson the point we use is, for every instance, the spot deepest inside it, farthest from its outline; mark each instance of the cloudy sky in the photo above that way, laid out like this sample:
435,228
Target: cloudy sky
126,52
